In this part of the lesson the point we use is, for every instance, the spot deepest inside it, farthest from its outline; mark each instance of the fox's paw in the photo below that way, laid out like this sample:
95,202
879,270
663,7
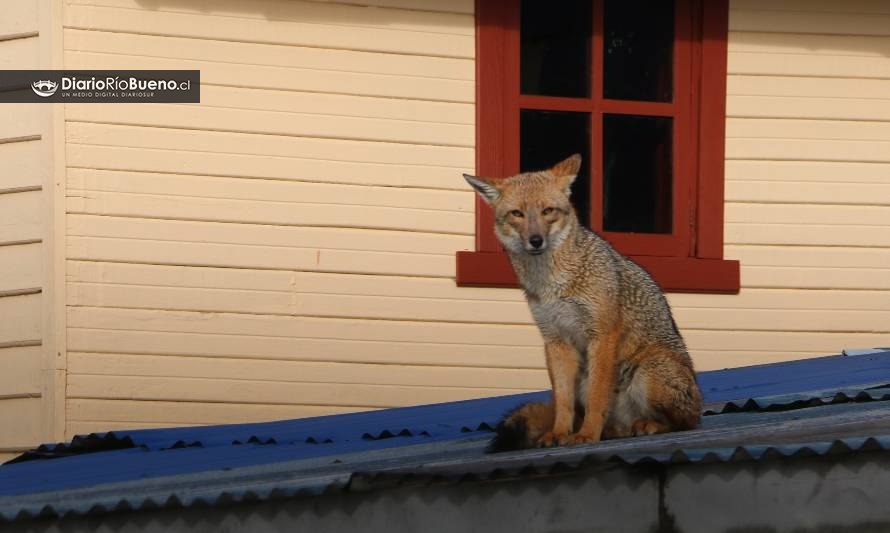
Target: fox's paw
583,438
551,439
647,427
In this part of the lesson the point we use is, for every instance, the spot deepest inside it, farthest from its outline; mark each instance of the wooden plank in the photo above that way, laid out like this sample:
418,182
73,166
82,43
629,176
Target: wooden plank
339,349
839,215
276,213
809,149
450,6
338,14
19,54
25,162
260,257
822,6
242,391
302,371
85,427
373,331
267,190
845,23
846,130
362,151
21,374
205,26
276,280
337,104
22,121
839,89
8,454
19,18
20,217
302,304
254,234
120,412
21,267
330,150
840,193
22,318
20,423
822,65
287,78
216,119
718,360
810,343
809,256
394,174
816,278
785,299
783,320
809,44
808,235
845,173
811,108
246,53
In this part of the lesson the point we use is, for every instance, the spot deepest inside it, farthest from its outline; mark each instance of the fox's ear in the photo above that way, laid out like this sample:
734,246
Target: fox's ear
566,171
485,187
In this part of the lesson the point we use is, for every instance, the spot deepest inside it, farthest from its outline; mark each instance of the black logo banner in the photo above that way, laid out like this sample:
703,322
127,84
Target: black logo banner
30,86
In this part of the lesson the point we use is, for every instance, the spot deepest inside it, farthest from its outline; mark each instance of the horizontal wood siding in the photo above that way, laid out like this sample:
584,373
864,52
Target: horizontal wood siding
286,247
24,218
807,177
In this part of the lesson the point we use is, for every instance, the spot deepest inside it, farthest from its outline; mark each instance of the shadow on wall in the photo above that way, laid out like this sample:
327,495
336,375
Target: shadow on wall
452,13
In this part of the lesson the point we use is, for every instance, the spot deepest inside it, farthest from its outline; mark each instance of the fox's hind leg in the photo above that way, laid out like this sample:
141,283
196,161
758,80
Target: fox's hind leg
659,395
673,396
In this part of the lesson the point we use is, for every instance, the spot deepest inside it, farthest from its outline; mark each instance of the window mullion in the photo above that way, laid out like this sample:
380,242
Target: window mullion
596,117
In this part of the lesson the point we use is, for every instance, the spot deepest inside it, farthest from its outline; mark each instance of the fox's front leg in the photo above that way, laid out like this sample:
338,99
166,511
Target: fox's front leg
562,364
601,379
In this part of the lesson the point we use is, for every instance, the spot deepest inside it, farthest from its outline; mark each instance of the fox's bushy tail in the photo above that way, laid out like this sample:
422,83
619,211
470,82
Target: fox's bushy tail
522,427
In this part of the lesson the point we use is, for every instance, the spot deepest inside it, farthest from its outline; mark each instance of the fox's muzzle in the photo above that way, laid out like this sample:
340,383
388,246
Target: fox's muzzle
536,244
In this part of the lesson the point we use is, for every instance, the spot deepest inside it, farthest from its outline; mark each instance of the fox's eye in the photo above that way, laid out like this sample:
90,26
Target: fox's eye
547,211
517,213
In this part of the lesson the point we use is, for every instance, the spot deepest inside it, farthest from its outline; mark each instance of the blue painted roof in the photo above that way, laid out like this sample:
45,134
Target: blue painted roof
324,452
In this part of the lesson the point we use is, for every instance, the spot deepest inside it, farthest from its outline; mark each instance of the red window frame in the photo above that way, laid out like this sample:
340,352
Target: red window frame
691,258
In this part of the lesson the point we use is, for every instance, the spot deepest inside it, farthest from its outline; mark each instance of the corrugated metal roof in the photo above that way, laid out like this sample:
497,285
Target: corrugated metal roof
818,406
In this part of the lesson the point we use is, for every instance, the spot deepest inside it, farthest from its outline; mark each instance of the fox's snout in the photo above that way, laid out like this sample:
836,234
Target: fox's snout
536,244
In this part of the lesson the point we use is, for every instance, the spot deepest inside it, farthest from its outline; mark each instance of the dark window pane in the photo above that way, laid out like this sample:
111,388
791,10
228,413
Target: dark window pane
637,173
638,49
555,47
548,137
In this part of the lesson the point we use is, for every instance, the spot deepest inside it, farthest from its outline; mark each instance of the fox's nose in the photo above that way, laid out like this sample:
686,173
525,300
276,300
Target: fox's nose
536,241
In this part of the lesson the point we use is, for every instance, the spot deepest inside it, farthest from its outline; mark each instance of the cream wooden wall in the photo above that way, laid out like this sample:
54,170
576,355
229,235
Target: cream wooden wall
807,184
286,248
30,377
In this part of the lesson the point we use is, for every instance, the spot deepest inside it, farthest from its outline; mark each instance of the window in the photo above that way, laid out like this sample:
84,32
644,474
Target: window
638,88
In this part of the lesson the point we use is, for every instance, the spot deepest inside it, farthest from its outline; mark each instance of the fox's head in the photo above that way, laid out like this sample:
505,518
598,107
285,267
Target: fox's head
532,211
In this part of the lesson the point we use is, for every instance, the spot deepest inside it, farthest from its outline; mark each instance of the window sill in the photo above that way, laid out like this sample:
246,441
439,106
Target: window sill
674,274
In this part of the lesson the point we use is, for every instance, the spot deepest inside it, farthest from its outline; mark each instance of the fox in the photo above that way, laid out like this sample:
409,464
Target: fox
617,363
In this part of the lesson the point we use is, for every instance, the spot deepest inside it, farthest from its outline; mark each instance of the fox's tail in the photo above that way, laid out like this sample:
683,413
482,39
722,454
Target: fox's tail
522,427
